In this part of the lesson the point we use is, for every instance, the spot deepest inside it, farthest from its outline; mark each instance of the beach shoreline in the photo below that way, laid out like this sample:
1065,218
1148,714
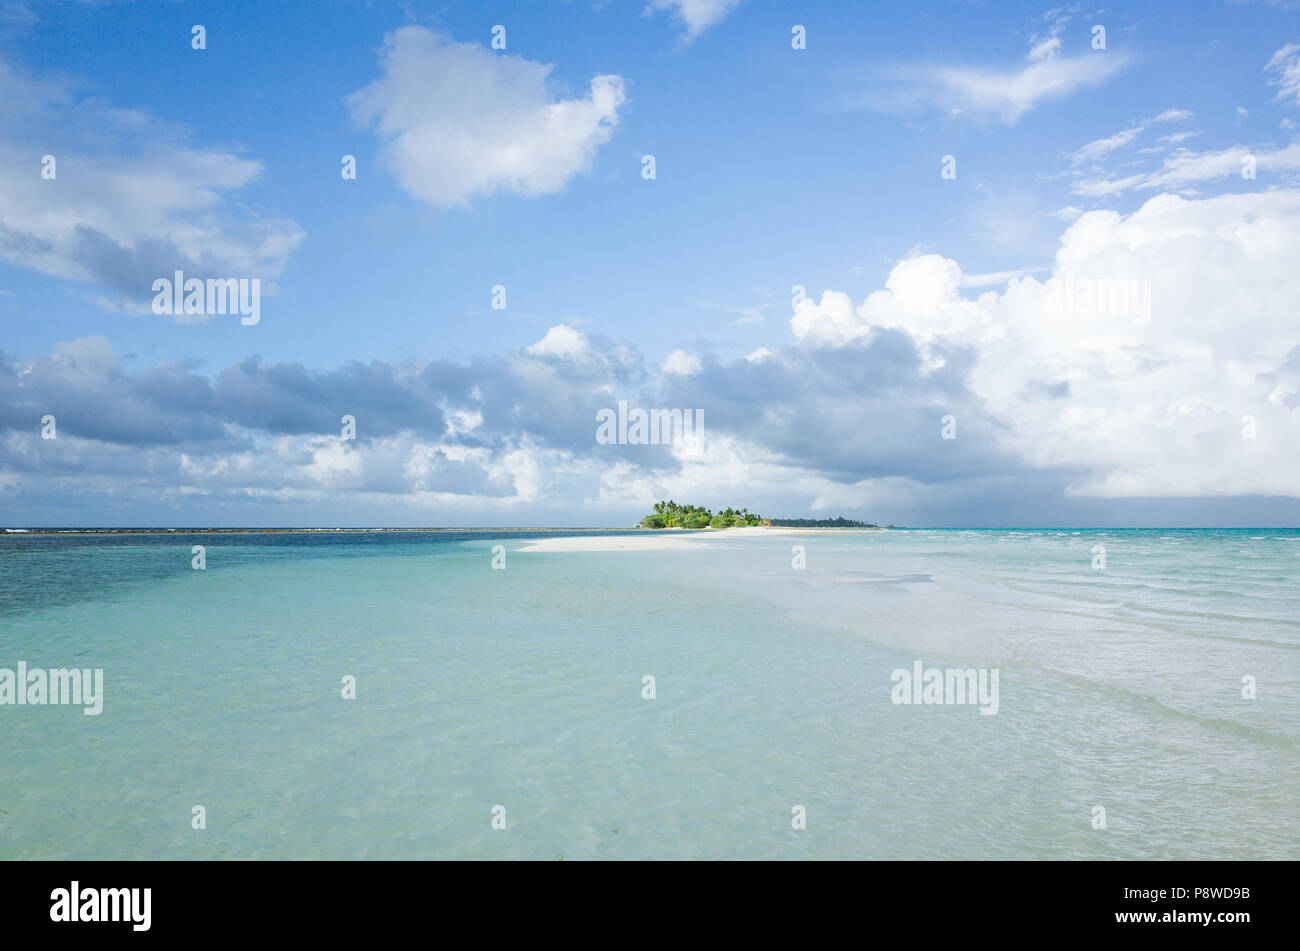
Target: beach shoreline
663,539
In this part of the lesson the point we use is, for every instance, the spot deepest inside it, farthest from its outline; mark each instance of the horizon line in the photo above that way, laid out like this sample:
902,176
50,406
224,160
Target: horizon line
271,529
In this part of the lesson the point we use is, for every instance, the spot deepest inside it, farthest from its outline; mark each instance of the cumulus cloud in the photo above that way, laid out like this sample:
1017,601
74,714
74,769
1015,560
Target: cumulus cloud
458,121
1148,402
130,200
562,341
680,363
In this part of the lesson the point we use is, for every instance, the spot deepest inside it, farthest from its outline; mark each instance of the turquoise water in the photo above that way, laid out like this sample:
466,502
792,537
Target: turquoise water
522,688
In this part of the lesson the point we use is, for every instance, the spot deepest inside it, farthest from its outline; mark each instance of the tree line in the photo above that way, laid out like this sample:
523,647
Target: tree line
671,515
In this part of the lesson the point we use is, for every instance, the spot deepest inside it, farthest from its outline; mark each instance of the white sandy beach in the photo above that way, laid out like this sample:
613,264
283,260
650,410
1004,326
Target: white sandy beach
661,539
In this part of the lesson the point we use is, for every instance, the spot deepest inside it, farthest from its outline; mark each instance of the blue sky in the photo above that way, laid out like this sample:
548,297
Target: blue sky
775,167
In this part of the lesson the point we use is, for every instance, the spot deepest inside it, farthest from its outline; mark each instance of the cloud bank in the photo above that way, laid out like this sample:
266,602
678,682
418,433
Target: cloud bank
1189,387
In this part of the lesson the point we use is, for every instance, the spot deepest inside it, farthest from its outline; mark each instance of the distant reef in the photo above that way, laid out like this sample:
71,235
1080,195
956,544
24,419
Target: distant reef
820,523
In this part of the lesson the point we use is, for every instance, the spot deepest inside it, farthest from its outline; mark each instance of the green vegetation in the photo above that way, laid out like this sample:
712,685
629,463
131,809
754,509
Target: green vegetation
840,522
671,515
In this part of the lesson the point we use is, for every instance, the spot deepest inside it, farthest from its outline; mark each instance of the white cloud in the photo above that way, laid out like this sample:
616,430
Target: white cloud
459,121
921,297
696,15
1046,49
1010,94
1102,147
561,341
680,363
1285,67
1174,138
1001,277
130,200
832,320
1184,170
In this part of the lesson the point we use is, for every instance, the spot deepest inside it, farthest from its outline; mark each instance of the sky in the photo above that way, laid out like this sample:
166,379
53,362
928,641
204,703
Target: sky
929,264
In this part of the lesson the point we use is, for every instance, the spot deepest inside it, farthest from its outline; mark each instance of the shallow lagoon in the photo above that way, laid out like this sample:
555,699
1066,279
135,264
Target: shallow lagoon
524,688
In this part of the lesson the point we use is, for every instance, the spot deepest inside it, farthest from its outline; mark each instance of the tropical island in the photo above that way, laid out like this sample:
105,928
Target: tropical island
671,515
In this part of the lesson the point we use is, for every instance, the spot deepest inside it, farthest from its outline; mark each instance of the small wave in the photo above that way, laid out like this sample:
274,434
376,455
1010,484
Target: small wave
1146,611
1138,698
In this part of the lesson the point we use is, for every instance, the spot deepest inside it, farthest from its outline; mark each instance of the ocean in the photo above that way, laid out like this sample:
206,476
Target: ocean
714,702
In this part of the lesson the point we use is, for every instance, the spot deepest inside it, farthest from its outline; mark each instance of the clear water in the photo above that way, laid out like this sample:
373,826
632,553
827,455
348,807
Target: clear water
523,688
